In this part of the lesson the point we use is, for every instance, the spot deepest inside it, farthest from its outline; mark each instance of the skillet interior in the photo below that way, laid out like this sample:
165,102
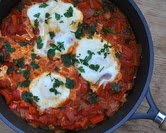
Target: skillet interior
134,95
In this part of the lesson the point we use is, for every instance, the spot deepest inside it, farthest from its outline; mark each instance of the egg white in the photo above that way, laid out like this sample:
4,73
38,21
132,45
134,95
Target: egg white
40,87
62,28
109,67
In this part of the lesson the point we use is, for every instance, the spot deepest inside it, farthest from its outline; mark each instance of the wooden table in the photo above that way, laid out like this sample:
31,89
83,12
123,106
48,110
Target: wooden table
155,13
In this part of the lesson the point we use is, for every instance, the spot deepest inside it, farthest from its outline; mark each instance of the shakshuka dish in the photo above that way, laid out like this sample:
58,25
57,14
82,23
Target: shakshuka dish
66,64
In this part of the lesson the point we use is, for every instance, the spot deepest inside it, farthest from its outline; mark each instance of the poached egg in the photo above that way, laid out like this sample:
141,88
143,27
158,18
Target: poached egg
57,21
97,61
44,88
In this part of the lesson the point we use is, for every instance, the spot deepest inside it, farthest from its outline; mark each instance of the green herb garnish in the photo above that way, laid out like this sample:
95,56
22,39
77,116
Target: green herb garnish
116,87
68,60
93,99
57,16
43,5
69,12
8,47
69,83
39,42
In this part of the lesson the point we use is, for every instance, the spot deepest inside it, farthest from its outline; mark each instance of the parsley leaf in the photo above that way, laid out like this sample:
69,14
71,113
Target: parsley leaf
34,65
69,12
116,87
81,69
57,83
92,29
105,50
80,31
52,35
36,23
10,69
57,68
118,55
25,83
51,53
47,16
69,83
94,67
106,30
8,47
20,62
37,15
26,73
87,58
93,99
57,16
68,60
23,44
39,42
54,91
43,5
28,97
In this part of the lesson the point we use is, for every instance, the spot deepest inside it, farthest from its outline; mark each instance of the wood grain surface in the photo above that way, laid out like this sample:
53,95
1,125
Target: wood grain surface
155,13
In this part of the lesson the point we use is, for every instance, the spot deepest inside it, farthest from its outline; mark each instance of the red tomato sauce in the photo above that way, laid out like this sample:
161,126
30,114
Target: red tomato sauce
77,112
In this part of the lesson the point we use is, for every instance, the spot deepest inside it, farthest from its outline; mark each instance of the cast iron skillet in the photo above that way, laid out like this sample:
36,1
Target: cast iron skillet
140,90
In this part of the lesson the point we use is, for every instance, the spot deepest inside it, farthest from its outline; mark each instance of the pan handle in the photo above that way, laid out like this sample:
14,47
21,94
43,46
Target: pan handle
153,113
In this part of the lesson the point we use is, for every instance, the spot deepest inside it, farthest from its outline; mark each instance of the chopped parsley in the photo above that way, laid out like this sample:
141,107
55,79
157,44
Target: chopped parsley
118,55
8,47
36,98
94,67
39,42
28,97
10,69
26,73
69,12
47,16
105,50
52,35
34,65
36,23
87,58
19,62
75,2
69,83
43,5
106,30
57,68
68,60
57,16
93,99
37,15
56,84
116,87
80,31
51,53
23,44
33,56
54,90
92,30
81,69
59,47
25,83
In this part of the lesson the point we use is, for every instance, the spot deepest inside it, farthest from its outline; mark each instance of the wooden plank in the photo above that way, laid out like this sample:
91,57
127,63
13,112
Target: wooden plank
155,13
